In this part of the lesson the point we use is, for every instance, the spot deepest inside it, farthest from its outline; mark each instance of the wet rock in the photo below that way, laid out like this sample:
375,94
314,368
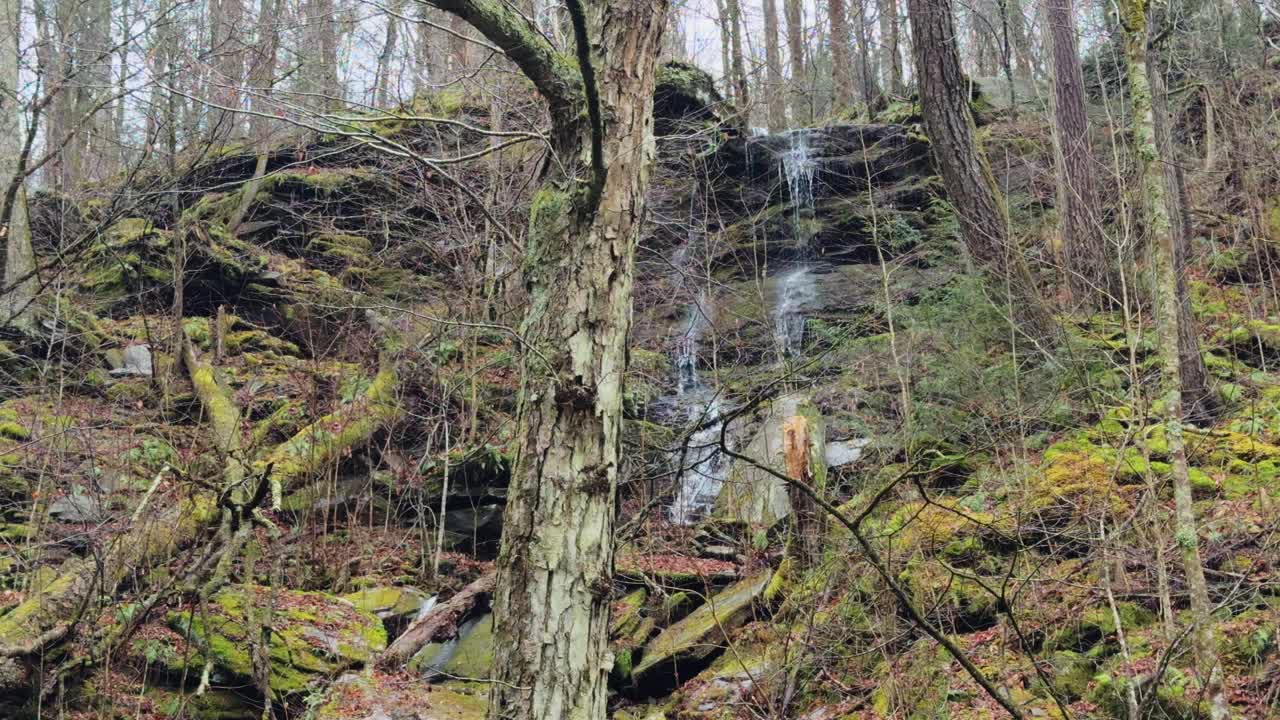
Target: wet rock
469,656
700,635
313,635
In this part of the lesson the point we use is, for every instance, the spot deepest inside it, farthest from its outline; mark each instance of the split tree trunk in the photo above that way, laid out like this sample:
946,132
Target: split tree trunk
1164,253
970,185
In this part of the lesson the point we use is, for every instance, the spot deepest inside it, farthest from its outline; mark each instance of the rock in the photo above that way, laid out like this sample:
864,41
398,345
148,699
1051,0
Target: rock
400,697
684,94
314,635
751,495
466,657
134,361
76,508
701,634
730,681
845,452
388,601
395,606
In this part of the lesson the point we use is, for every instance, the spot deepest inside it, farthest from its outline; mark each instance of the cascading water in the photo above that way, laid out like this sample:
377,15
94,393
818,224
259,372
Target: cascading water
796,288
702,468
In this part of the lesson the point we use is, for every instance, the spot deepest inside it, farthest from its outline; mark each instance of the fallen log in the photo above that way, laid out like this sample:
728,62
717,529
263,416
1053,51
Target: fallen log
439,624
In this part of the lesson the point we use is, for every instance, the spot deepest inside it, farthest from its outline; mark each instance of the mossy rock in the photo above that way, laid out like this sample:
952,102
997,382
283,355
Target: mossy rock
1097,625
314,635
467,657
731,681
702,633
379,696
388,601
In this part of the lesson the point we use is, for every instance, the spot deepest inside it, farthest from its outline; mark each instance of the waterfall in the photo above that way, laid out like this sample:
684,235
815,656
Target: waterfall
703,468
796,288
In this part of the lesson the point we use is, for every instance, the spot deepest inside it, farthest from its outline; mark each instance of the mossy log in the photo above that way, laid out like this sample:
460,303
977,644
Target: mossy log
47,614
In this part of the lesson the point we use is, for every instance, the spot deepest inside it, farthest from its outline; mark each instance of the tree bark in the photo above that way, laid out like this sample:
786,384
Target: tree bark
742,91
555,559
17,271
1198,399
841,65
382,85
865,67
970,185
1164,253
775,98
890,47
1091,275
800,95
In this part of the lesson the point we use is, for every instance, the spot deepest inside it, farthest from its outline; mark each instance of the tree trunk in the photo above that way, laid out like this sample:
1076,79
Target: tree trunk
841,65
866,75
775,98
1024,57
1198,399
742,90
890,48
382,95
968,179
1091,275
800,95
227,17
321,55
18,257
1164,254
555,559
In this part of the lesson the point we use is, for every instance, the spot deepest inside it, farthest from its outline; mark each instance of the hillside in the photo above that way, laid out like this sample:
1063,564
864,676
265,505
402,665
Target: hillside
258,437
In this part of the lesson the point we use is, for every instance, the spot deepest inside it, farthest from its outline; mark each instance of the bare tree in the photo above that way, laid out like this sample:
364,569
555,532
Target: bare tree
800,94
551,605
948,118
841,65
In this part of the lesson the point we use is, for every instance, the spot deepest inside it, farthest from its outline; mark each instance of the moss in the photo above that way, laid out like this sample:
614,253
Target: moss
341,247
312,634
258,341
698,636
1097,624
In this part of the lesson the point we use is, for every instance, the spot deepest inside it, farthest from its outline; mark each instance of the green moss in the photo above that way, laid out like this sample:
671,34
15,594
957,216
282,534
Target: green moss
698,635
312,634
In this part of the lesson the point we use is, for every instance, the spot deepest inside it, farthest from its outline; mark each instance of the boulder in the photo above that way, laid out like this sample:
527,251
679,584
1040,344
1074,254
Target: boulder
756,497
466,657
701,635
313,635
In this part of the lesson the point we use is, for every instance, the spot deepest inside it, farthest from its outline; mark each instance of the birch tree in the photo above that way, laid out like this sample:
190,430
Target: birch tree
1164,253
